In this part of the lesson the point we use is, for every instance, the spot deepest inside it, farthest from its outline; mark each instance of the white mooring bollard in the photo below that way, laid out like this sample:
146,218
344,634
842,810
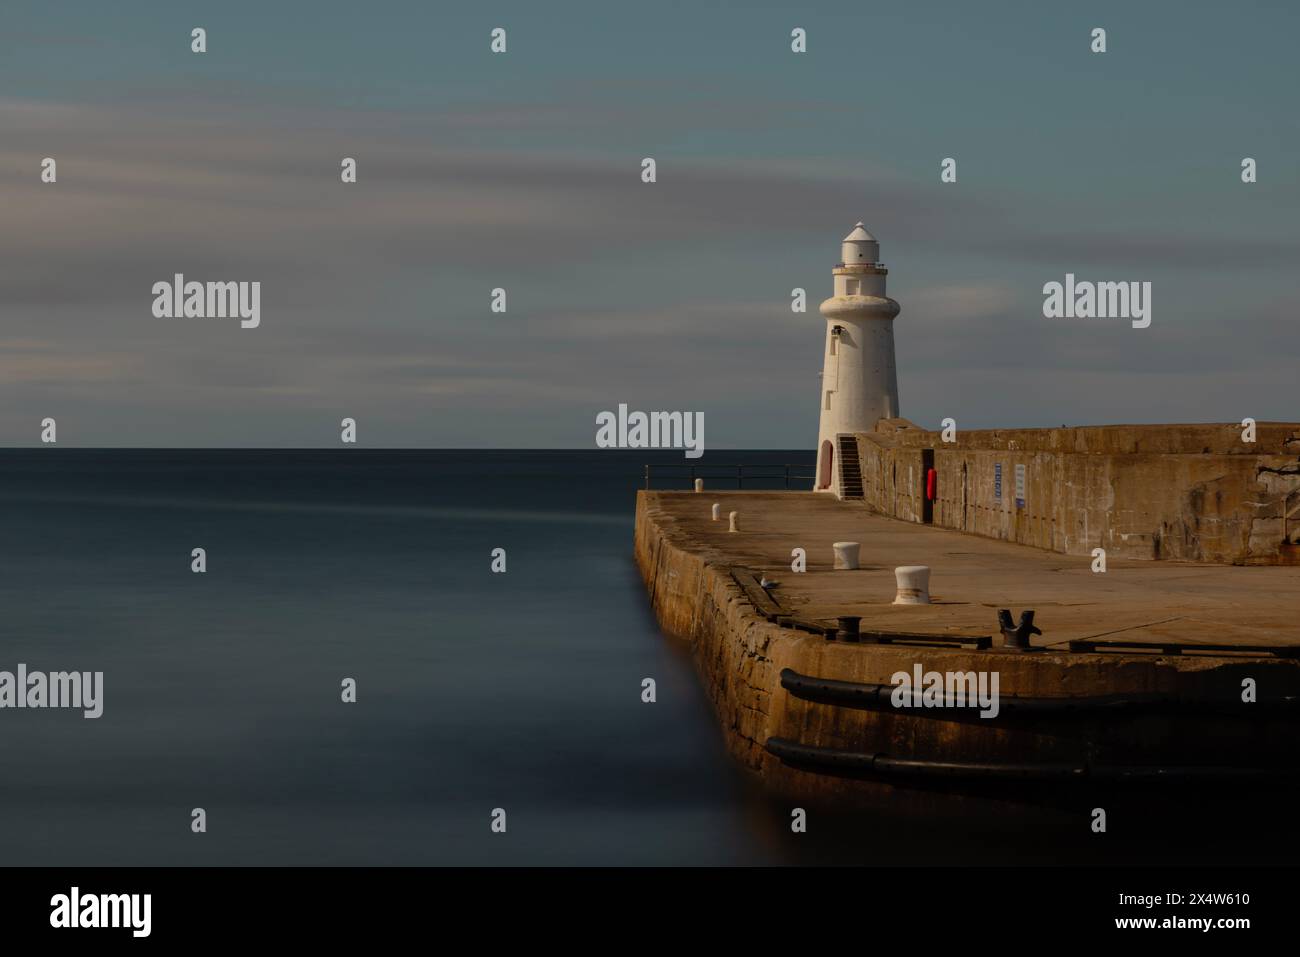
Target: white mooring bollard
717,511
913,585
846,554
734,519
699,485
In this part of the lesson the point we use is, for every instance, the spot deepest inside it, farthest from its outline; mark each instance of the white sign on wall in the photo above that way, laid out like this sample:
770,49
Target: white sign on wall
1020,486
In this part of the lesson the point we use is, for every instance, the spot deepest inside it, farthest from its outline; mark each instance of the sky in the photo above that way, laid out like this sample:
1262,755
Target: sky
522,171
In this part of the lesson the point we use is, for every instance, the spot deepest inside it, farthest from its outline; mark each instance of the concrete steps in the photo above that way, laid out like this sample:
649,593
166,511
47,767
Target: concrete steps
850,468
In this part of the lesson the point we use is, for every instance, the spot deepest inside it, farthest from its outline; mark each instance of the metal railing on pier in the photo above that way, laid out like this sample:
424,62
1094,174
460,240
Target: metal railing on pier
798,477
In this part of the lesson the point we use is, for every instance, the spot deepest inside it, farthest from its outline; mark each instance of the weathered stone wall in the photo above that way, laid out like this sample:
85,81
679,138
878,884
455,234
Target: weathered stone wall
1188,493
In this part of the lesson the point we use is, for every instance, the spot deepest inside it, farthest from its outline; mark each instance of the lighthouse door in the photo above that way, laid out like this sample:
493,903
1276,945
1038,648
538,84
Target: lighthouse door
824,465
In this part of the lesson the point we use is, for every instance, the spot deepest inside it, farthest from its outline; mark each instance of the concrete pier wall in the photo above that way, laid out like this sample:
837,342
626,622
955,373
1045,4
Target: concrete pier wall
1186,493
694,598
740,656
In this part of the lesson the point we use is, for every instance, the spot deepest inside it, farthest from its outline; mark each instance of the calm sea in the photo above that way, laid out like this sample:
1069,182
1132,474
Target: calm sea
475,690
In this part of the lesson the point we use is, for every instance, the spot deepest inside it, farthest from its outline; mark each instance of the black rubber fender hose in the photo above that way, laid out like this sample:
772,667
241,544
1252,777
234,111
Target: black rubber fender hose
836,759
877,697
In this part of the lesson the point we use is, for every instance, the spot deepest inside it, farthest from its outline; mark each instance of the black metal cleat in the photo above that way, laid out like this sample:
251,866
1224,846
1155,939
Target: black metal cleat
1016,637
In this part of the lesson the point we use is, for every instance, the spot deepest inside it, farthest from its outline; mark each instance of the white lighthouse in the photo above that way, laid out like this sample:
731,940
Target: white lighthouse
859,380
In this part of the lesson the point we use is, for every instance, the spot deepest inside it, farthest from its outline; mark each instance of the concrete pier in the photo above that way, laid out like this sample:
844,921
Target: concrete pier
742,642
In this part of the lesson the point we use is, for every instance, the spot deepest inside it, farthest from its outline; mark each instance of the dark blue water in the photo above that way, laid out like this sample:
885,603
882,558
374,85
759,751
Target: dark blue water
476,690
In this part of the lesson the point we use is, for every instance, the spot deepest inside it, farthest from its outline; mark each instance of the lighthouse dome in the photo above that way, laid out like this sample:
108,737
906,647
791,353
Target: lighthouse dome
859,247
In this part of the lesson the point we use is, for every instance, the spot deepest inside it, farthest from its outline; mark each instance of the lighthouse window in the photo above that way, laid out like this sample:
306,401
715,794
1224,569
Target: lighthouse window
828,400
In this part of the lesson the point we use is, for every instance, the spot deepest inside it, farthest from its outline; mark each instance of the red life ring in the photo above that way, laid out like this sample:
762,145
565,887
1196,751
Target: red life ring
931,484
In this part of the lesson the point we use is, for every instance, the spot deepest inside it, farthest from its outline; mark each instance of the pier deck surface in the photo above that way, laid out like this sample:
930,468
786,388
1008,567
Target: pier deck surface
972,577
